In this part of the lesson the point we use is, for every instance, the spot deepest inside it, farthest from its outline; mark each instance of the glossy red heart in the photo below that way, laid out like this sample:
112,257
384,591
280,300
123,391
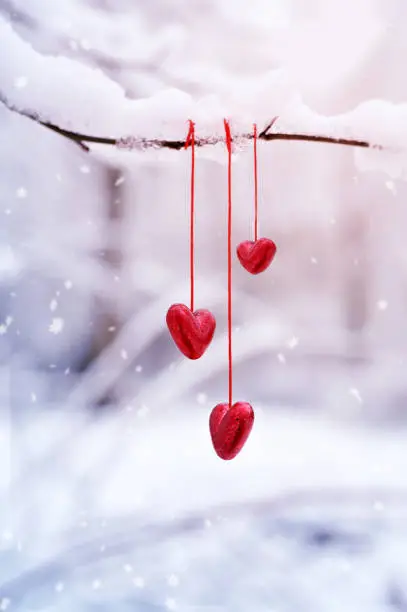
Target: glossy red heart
230,426
256,256
192,332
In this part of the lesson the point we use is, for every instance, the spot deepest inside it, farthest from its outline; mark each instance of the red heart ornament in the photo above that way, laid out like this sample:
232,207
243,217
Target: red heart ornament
256,256
192,332
230,426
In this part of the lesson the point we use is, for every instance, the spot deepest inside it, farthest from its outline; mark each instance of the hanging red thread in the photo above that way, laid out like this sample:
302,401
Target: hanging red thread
192,331
190,141
256,203
230,425
229,148
256,255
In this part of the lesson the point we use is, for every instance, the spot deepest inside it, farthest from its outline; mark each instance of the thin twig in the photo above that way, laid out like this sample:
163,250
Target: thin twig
134,142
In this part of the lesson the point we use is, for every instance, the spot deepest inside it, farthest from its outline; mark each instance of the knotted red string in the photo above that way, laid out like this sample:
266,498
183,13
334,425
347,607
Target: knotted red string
190,141
229,148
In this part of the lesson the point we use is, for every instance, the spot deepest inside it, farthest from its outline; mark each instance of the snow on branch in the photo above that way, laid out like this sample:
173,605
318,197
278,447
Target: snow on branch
133,142
49,89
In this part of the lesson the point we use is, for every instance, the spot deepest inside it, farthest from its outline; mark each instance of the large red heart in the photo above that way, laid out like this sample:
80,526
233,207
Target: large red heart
230,426
192,332
256,256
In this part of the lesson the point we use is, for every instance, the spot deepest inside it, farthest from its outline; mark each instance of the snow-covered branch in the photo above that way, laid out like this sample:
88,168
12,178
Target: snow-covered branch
134,142
82,104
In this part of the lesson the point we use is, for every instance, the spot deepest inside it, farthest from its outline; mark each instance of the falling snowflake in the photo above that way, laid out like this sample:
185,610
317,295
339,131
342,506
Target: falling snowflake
21,193
53,305
68,284
382,305
281,358
293,342
57,325
139,582
173,580
356,394
3,329
96,584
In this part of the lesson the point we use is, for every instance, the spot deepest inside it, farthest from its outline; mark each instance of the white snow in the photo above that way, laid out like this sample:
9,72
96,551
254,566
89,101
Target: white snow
100,106
57,325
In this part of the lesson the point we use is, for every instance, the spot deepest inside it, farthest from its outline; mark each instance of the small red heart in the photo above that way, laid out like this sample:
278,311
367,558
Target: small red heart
192,332
230,426
256,256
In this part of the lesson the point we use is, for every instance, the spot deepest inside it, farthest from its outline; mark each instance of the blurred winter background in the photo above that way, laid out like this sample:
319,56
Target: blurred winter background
111,495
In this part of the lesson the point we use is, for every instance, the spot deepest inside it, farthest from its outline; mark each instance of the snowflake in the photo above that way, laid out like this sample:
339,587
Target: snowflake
382,305
173,580
4,603
3,329
53,305
139,582
68,284
21,193
293,342
356,394
57,325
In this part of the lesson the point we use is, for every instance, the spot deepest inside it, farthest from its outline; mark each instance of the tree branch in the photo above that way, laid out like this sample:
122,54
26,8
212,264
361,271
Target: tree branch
138,143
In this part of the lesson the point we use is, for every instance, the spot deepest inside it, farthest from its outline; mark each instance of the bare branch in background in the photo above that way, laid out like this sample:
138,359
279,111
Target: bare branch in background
137,143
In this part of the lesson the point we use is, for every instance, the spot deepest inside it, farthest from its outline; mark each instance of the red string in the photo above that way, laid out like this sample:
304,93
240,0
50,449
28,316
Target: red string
190,141
256,205
229,148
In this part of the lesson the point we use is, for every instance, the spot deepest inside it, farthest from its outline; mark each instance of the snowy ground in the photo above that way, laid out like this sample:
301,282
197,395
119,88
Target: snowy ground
136,512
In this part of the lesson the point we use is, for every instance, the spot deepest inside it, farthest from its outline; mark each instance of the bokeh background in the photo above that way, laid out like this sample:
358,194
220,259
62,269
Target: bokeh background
112,496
